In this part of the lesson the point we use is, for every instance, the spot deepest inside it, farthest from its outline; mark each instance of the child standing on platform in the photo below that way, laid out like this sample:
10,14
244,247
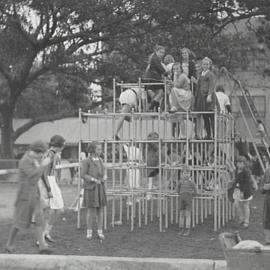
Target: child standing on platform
187,190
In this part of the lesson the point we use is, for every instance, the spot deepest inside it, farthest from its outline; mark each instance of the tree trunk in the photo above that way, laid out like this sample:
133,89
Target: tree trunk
7,135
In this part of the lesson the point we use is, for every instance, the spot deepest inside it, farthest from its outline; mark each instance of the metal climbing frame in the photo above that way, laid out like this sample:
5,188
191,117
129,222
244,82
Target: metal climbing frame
137,197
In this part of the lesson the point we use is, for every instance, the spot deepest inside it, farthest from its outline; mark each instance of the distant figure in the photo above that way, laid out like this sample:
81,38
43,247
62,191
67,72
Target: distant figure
186,189
261,132
223,100
265,161
28,203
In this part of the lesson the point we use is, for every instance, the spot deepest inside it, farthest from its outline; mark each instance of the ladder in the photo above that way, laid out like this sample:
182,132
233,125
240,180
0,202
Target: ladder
254,113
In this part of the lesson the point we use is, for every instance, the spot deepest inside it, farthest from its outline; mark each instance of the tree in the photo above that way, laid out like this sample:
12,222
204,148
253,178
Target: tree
68,41
61,38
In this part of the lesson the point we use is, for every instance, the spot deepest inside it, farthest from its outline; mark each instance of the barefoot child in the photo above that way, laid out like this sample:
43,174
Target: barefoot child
186,189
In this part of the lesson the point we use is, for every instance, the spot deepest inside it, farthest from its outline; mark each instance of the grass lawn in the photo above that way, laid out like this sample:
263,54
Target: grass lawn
146,241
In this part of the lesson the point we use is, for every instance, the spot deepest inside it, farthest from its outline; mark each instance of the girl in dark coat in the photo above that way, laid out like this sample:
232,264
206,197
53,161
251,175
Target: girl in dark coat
93,174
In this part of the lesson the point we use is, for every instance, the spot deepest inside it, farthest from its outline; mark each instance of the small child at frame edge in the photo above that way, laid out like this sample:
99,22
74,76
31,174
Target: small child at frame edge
187,190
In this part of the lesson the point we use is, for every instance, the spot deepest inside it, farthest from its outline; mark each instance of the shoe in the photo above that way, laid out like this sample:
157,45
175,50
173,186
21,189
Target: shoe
45,251
186,232
181,232
173,110
101,236
9,250
48,238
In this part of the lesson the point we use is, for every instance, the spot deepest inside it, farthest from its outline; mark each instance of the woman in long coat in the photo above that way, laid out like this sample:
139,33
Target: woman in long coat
28,203
93,174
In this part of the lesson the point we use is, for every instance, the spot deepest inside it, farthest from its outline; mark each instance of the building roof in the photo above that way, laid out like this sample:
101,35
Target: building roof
96,128
68,128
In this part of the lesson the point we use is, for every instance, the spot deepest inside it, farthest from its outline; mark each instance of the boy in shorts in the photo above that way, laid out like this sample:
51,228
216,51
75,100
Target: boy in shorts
187,190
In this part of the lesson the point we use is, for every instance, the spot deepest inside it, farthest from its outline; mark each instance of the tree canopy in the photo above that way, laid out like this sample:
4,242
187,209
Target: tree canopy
55,48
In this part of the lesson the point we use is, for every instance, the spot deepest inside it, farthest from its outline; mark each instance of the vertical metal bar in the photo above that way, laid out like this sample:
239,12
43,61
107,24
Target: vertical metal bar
79,172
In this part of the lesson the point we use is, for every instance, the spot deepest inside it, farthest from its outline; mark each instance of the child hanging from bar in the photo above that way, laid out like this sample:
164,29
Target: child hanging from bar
129,100
187,190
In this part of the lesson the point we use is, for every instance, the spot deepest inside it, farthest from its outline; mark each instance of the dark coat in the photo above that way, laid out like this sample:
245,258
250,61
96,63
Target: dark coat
205,87
94,195
28,196
155,69
243,179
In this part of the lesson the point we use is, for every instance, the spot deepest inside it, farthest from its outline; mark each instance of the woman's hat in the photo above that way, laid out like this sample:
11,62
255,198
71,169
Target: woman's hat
38,147
57,141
